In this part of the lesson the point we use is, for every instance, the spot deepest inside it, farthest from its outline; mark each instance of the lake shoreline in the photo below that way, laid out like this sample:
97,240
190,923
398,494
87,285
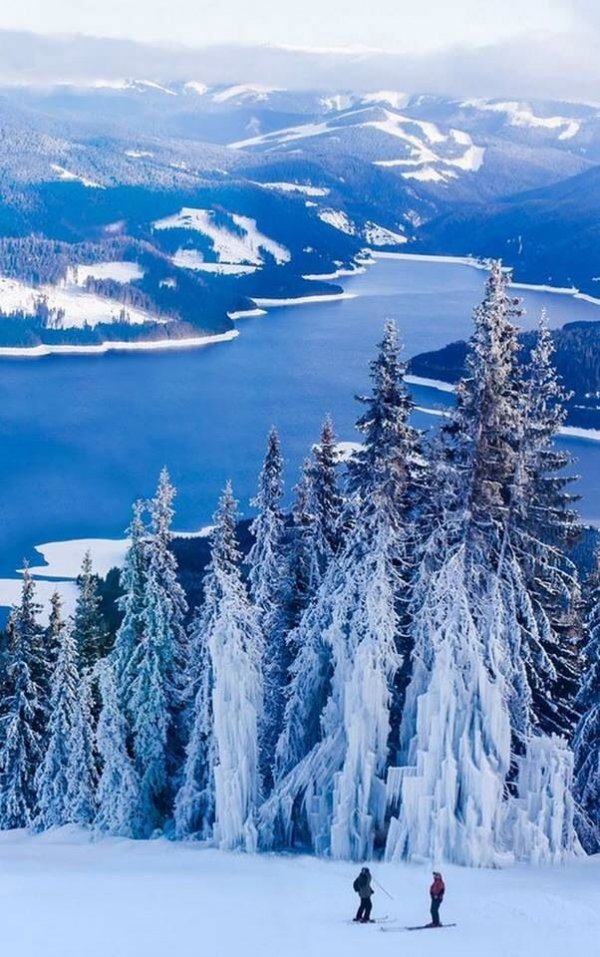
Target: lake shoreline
262,304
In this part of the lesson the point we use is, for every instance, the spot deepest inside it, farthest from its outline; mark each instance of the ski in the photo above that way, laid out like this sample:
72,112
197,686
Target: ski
418,927
377,920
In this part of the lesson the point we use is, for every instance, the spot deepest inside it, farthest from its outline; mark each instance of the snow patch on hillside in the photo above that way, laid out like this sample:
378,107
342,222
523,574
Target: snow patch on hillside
337,102
244,243
432,166
199,88
192,259
380,236
72,307
338,219
287,135
119,271
521,114
245,91
138,154
297,188
70,177
394,98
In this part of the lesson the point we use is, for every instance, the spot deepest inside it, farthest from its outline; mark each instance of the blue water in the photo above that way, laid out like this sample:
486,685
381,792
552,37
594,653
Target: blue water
82,436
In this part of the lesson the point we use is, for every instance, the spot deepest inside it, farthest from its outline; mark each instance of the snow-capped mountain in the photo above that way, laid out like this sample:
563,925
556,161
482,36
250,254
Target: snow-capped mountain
249,187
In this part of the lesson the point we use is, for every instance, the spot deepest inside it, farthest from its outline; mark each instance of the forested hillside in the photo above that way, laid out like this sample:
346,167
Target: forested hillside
576,358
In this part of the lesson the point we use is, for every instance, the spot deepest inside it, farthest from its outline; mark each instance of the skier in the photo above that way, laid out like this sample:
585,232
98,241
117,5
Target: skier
436,892
362,886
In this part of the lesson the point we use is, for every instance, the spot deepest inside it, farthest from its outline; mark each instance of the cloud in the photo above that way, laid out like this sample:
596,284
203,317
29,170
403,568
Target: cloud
565,66
585,13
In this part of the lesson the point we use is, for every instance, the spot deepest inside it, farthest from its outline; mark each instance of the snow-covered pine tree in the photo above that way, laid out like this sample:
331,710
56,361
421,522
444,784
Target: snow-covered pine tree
303,566
314,537
587,735
22,716
455,737
194,810
129,634
195,802
338,719
544,525
325,500
229,699
118,786
158,663
268,563
89,628
52,776
469,719
53,635
82,774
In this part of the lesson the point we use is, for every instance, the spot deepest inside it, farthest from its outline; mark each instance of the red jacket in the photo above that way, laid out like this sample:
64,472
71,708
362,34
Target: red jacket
437,889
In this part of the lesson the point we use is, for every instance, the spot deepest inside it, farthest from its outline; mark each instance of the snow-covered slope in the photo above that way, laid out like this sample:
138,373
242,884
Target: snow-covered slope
64,896
235,239
419,148
523,115
70,305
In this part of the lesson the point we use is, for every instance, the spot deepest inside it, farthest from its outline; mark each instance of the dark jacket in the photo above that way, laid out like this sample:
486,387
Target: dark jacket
362,885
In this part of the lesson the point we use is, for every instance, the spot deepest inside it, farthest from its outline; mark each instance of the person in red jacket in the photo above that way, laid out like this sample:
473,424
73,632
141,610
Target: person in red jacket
436,892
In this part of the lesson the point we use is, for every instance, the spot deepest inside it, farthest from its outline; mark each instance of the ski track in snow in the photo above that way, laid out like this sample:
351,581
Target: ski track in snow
64,895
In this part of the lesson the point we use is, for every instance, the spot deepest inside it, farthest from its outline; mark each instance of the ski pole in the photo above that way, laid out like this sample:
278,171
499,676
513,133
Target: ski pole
383,889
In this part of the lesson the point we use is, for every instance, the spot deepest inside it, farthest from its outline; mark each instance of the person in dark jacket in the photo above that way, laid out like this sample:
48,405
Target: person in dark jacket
436,892
362,886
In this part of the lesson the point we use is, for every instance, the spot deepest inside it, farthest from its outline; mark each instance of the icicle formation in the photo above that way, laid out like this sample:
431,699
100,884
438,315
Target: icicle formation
476,623
267,563
222,776
447,799
540,822
338,715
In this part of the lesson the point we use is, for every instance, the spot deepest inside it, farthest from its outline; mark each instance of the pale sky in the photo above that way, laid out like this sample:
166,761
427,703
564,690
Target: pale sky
391,25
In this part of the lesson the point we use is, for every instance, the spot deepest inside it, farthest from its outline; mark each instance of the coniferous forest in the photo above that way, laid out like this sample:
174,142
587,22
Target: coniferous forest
405,665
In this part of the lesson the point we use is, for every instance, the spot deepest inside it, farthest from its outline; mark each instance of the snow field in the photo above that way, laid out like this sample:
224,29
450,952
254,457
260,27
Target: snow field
80,307
229,247
64,895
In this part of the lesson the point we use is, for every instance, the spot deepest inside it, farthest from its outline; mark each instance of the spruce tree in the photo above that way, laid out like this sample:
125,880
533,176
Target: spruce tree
22,719
324,497
53,635
467,746
118,786
132,580
335,745
158,669
230,695
544,528
268,564
89,628
82,772
195,801
587,735
52,776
